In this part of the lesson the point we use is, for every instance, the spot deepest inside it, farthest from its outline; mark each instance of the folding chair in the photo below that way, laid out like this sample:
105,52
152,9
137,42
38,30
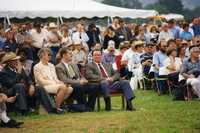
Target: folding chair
112,94
157,79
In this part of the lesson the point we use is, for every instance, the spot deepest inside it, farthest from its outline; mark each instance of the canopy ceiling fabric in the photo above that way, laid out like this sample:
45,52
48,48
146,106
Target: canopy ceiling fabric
67,9
173,16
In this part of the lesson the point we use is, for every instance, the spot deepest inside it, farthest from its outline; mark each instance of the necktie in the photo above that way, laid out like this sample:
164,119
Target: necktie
71,71
103,72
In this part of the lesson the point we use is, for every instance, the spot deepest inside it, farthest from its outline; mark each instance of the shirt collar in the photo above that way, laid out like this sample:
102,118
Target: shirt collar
66,64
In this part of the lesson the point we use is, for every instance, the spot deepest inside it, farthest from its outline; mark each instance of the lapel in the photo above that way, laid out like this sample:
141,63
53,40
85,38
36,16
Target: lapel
10,72
76,70
96,69
107,69
65,69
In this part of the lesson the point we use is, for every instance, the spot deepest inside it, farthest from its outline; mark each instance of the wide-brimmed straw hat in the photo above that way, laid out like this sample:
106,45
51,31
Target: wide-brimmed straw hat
52,25
9,57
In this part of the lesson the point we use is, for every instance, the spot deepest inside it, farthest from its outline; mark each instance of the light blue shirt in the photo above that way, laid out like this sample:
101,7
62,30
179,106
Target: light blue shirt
186,35
175,31
158,58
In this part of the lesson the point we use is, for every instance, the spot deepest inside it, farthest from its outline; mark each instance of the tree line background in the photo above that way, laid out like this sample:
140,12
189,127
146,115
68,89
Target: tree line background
162,6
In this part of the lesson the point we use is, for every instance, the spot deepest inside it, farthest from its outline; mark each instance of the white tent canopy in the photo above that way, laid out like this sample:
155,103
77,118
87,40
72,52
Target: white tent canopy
173,16
66,9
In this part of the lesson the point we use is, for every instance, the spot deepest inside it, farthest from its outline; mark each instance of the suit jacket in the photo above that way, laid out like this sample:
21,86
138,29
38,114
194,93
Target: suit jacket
93,73
9,78
64,76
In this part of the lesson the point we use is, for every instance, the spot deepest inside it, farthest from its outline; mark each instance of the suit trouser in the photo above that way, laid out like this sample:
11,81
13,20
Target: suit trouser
80,92
23,101
122,85
41,97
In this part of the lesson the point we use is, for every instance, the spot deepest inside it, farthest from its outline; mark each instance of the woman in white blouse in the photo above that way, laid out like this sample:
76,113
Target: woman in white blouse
45,76
172,63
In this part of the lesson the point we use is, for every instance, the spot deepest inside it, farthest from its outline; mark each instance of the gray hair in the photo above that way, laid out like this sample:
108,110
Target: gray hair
42,51
193,49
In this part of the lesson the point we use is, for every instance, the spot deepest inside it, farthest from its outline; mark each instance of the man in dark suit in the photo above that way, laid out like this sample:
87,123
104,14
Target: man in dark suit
15,82
70,74
109,80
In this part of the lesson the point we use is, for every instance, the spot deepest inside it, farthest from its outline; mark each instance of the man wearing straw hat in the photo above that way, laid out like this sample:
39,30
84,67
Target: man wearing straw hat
16,83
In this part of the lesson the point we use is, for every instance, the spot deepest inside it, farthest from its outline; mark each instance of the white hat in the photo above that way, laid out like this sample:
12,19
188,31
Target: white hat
111,44
69,44
77,42
52,25
9,57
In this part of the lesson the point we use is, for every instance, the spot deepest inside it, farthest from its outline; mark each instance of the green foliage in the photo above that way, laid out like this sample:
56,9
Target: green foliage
191,14
174,6
158,7
167,6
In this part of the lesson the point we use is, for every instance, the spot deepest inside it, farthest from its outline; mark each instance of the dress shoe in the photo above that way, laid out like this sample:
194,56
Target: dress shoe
60,111
129,106
11,124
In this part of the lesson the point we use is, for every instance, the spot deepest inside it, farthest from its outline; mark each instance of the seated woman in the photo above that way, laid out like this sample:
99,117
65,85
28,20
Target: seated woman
172,63
172,66
45,76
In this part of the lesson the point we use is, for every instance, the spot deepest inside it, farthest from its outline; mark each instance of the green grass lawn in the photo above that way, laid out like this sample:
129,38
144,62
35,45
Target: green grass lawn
155,114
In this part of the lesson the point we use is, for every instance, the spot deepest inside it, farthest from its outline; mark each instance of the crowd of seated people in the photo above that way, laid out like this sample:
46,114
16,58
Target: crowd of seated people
43,65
